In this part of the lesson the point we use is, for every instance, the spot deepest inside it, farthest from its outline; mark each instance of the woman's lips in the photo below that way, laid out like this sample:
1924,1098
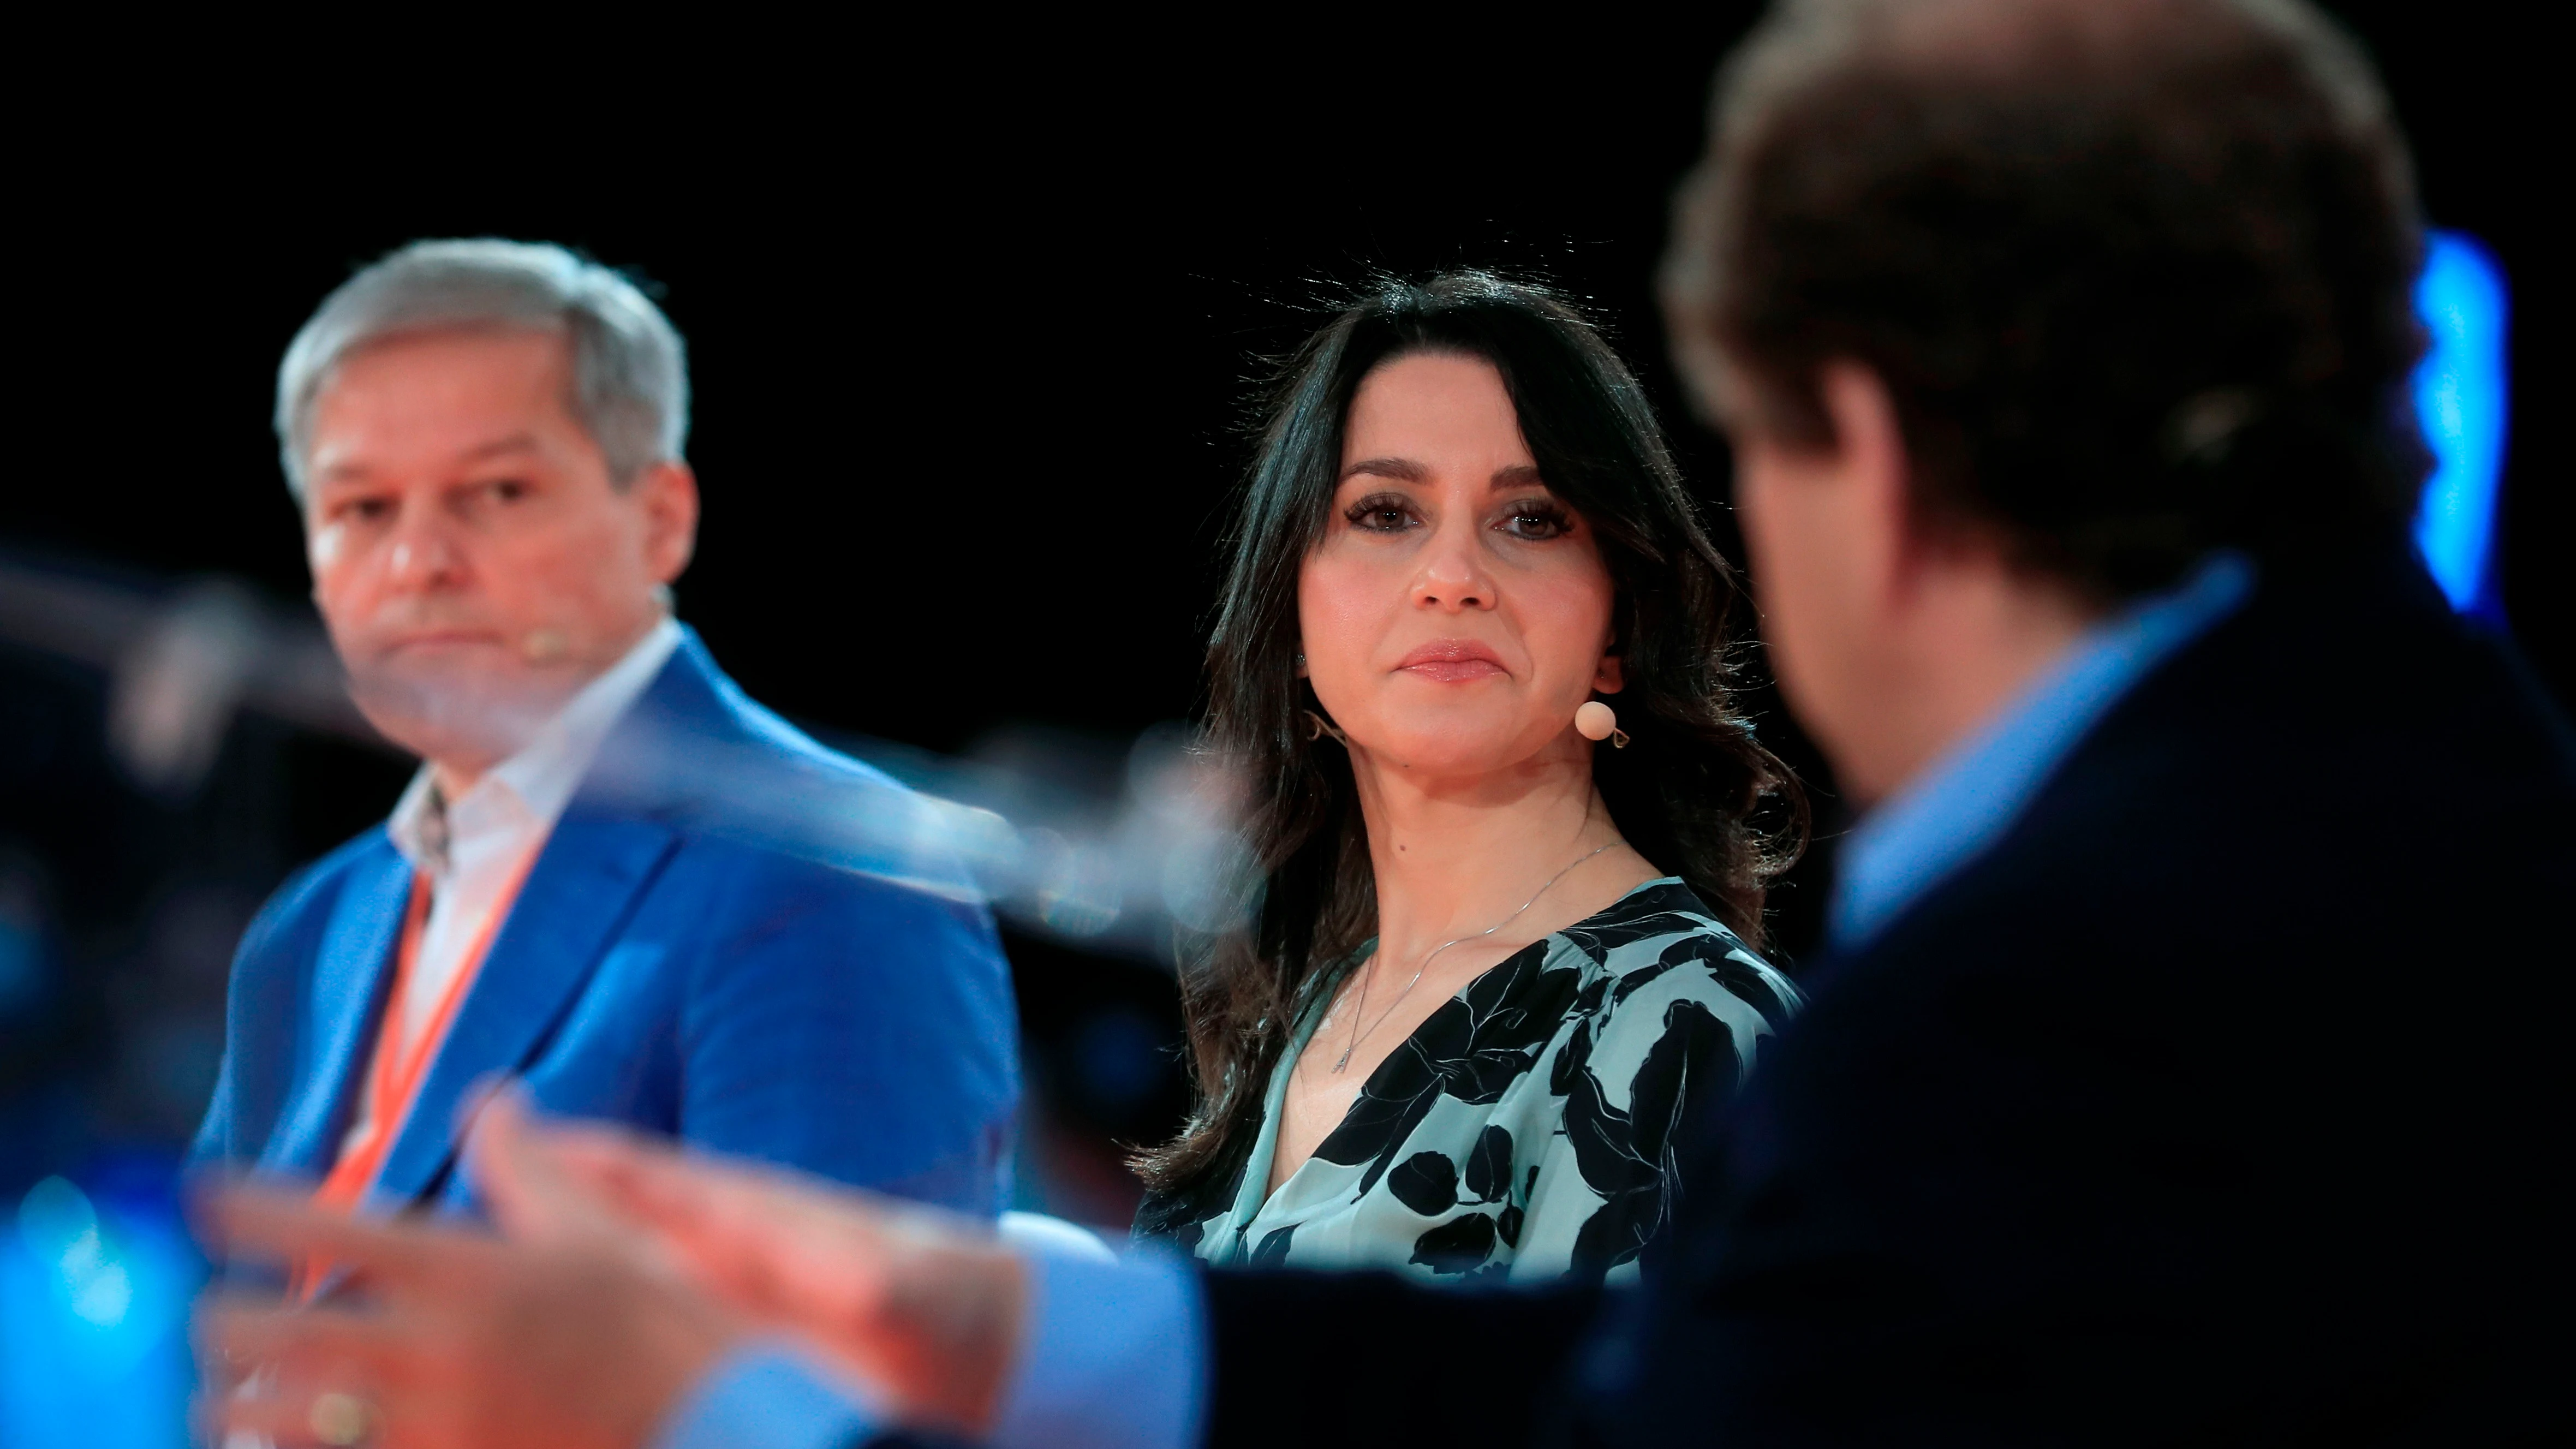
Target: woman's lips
1451,661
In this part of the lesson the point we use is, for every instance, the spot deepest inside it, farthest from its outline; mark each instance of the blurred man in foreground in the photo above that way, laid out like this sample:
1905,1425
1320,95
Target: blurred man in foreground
485,440
2180,1070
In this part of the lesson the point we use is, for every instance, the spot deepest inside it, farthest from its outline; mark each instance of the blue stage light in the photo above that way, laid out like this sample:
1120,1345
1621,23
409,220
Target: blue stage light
2460,401
94,1296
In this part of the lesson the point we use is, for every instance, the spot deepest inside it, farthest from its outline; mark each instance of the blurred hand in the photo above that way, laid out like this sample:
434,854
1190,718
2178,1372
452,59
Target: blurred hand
925,1307
456,1341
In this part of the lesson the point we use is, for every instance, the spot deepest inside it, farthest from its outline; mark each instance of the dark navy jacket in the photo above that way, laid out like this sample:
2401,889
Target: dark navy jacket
659,969
2224,1099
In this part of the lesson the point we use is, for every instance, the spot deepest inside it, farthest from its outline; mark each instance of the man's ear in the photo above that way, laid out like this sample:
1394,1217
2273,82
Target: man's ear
1871,464
1867,431
668,492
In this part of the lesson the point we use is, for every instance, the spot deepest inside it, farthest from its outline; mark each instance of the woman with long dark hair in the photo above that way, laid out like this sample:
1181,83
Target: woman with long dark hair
1471,659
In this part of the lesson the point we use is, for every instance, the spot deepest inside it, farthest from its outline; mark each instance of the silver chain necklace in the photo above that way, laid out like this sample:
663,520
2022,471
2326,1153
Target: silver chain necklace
1361,1010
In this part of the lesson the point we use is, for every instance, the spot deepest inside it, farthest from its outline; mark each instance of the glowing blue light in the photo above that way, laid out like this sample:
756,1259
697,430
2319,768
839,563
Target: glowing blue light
2460,401
93,1321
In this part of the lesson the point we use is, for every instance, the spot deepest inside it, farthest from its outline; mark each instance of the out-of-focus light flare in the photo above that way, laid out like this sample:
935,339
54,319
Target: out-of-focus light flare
93,1322
2460,403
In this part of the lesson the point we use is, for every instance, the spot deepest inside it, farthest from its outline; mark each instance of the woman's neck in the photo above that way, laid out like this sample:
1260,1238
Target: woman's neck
1453,857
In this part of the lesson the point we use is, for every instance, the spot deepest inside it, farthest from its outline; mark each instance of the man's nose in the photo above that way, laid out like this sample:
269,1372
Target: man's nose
1453,576
423,552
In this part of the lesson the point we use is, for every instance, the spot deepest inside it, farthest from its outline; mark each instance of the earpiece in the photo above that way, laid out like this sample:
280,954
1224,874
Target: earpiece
1597,721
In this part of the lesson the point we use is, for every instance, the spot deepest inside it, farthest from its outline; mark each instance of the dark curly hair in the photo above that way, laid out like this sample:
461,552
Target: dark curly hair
2136,276
1696,793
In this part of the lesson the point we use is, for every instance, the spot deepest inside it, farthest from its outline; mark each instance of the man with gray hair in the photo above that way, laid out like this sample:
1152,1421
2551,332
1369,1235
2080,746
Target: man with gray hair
484,438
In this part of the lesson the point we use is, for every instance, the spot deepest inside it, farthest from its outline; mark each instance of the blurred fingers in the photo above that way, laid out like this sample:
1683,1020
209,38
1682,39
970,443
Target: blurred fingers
642,1179
774,1245
334,1415
532,1195
294,1376
252,1336
253,1220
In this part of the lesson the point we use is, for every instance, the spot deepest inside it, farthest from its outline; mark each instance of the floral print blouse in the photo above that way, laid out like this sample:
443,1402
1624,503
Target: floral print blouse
1528,1128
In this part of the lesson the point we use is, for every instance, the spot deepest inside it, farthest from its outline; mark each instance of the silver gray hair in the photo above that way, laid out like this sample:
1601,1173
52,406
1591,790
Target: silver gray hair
630,382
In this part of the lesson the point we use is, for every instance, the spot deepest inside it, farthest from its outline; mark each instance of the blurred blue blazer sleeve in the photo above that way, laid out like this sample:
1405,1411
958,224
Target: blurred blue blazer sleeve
1114,1356
767,1396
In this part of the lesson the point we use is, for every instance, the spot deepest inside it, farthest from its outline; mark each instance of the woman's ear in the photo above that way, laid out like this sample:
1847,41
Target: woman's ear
1611,676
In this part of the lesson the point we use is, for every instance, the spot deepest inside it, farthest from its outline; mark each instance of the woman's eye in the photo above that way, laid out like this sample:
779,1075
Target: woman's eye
1381,515
1536,521
508,490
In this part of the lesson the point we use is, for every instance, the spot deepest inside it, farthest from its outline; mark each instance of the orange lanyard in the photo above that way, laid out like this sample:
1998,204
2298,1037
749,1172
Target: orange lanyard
395,1078
397,1074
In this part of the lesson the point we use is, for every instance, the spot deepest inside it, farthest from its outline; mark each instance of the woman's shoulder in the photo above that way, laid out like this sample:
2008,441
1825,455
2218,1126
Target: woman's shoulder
1662,941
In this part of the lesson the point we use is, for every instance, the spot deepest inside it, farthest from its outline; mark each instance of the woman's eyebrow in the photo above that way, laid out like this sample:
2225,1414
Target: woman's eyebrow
1517,475
1402,469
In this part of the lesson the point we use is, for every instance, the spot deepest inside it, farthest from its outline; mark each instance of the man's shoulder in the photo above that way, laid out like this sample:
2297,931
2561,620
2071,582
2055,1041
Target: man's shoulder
695,701
764,805
300,904
2320,733
2319,797
2324,684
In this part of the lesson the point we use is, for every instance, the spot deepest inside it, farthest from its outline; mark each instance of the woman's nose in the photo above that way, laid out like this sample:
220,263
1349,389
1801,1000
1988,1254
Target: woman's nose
1453,575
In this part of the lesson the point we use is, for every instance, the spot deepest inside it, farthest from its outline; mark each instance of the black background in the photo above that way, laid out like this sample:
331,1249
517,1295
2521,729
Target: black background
973,322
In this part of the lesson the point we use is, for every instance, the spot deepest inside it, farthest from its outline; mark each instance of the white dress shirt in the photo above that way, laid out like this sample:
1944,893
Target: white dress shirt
472,848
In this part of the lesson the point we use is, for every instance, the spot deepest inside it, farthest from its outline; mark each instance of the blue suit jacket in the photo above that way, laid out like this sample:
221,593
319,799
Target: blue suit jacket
657,970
